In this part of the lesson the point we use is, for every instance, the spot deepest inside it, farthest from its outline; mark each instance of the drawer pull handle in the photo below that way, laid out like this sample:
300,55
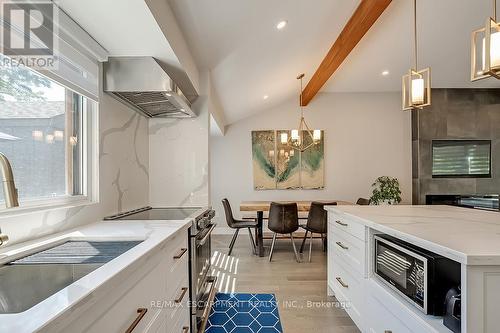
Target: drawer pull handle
342,245
341,223
180,254
387,331
183,293
185,329
342,283
141,313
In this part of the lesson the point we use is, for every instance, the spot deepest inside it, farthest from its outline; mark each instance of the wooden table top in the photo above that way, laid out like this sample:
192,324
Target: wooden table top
263,206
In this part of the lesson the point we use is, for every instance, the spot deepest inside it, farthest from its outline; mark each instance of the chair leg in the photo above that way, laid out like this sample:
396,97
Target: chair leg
254,246
303,242
232,241
323,240
272,247
310,246
294,249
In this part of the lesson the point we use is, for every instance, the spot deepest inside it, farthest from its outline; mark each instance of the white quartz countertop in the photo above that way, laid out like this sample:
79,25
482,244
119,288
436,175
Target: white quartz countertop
469,236
152,234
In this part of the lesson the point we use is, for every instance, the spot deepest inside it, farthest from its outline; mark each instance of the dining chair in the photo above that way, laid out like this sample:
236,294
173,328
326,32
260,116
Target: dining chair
238,225
283,219
363,202
317,221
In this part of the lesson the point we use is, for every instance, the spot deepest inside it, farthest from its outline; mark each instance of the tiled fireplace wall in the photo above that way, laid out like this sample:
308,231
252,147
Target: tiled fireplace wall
455,114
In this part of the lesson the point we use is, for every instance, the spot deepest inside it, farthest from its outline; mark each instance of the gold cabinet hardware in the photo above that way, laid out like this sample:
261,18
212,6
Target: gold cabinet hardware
180,254
342,245
342,283
183,293
141,312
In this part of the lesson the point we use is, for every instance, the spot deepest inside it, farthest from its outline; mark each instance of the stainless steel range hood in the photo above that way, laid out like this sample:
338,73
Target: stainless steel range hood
143,84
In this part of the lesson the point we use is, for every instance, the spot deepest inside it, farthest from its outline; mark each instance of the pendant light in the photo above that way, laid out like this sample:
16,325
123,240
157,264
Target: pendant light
297,140
416,85
485,49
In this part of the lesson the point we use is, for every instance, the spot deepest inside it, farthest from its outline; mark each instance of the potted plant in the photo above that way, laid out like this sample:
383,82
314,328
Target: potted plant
385,191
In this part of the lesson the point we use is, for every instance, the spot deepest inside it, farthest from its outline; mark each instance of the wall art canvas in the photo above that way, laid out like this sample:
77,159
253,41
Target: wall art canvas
287,165
312,164
263,159
277,166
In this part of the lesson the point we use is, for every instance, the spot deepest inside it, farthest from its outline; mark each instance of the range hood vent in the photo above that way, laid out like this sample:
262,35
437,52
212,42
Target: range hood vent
143,84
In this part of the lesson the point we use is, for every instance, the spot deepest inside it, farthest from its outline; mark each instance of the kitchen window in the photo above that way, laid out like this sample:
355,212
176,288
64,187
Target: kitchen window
46,133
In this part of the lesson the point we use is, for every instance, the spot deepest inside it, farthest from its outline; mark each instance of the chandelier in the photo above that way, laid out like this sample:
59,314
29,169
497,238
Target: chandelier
303,137
417,83
485,59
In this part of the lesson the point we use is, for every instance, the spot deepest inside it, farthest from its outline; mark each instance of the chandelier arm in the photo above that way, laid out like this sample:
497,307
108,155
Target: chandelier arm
495,10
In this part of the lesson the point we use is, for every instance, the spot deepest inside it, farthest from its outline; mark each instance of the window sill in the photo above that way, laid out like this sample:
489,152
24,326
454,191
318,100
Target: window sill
46,205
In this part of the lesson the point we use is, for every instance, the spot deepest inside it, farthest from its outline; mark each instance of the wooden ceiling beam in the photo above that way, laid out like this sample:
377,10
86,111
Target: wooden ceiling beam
360,22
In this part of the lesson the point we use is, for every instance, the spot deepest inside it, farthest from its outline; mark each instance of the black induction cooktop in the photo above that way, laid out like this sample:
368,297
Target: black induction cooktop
148,213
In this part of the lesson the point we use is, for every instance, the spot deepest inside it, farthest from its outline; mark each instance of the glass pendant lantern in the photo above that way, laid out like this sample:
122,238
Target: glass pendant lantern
416,85
485,49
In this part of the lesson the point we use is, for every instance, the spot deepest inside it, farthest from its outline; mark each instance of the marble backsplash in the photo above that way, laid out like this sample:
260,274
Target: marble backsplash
178,161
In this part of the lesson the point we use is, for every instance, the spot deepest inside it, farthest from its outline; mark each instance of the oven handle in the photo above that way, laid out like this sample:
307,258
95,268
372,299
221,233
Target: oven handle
211,296
205,238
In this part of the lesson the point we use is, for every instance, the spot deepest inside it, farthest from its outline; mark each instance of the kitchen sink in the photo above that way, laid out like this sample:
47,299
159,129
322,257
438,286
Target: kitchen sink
30,280
23,286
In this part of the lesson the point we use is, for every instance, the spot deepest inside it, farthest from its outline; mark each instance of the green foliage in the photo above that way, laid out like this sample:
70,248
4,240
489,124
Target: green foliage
18,82
386,190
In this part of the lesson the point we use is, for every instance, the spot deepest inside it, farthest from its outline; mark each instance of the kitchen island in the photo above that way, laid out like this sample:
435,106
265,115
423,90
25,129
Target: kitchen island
467,236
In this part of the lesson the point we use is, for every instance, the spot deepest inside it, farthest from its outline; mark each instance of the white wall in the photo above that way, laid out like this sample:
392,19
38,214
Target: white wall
123,177
366,136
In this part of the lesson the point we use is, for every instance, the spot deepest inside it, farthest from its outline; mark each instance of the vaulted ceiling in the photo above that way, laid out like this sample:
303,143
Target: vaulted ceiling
249,58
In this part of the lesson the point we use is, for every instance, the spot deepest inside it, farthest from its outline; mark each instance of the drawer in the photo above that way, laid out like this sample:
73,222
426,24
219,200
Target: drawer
180,322
349,248
348,289
178,311
123,313
387,311
347,224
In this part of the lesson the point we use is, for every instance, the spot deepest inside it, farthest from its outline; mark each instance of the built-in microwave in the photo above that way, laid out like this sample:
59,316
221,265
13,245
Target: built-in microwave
420,276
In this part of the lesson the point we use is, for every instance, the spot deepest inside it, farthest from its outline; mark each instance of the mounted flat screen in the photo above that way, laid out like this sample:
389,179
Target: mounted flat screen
461,158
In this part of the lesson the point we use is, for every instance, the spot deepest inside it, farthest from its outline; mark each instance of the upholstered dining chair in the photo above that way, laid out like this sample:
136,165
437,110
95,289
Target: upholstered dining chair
283,219
317,221
363,202
238,225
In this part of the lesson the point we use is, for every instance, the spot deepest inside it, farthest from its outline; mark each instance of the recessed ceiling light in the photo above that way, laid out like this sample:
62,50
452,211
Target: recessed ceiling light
281,24
385,73
265,97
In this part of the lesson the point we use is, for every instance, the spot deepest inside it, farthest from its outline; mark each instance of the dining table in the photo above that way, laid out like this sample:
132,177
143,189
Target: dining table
259,207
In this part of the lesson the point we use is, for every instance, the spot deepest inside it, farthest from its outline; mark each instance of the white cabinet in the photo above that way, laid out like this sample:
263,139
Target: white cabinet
346,264
155,296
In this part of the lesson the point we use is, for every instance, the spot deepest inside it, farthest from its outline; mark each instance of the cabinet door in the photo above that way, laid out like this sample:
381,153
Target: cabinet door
147,294
382,320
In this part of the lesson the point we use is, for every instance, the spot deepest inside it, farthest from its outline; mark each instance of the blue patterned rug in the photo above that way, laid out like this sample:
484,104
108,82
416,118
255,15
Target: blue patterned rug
244,313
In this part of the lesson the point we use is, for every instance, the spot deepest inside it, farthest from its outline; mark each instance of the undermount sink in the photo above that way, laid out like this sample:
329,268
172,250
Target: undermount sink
30,280
23,286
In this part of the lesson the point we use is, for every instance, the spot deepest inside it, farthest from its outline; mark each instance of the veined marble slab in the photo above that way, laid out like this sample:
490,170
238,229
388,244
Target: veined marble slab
469,236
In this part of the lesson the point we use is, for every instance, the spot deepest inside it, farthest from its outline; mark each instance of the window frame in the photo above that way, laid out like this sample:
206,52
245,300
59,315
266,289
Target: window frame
89,168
